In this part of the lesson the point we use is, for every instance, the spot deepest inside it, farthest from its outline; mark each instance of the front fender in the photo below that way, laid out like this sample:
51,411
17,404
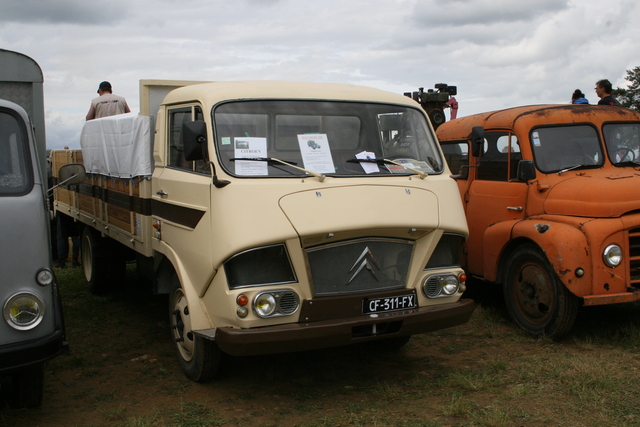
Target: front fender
495,239
565,246
198,313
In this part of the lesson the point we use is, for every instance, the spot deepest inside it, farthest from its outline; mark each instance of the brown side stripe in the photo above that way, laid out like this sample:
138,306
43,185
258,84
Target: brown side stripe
179,214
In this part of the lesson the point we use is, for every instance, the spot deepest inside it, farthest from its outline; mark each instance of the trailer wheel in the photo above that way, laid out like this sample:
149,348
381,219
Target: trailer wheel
103,265
28,387
199,357
536,298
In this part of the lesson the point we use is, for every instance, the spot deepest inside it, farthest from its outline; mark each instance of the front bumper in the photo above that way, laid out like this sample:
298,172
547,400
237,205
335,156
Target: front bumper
623,297
26,353
305,336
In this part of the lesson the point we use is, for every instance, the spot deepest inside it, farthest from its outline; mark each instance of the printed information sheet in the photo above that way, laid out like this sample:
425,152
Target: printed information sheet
316,153
247,147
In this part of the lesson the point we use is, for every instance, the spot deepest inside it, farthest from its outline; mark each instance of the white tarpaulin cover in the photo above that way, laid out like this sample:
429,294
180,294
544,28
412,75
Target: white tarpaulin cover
118,146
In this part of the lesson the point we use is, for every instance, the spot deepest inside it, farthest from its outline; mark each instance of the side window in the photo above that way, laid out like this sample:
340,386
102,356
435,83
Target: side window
457,155
15,166
500,157
177,117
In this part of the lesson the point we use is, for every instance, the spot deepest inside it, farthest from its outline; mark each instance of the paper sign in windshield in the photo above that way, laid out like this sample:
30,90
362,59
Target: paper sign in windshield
246,147
316,153
368,167
411,163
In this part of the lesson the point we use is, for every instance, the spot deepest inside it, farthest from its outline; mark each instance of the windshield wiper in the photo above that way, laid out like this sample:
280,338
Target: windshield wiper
382,162
271,161
569,168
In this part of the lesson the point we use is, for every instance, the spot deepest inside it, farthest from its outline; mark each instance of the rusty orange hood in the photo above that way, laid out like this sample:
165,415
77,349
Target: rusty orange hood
604,196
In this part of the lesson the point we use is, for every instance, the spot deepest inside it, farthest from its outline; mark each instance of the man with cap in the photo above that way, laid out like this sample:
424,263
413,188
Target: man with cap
107,104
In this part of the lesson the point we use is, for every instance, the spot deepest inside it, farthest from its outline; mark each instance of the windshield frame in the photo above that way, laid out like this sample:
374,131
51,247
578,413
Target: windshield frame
344,127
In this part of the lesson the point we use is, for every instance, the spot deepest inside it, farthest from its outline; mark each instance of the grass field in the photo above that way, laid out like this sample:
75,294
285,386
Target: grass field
122,372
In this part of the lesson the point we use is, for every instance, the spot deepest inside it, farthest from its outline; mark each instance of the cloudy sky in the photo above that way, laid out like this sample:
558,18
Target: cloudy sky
499,53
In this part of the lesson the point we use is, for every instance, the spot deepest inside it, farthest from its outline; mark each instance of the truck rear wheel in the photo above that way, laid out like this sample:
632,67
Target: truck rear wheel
199,357
103,265
536,298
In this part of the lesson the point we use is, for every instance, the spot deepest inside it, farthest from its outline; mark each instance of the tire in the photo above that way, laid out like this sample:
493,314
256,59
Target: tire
536,298
199,357
28,387
103,265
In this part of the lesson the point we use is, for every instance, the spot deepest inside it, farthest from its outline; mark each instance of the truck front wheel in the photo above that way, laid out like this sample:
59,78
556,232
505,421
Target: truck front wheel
199,357
536,298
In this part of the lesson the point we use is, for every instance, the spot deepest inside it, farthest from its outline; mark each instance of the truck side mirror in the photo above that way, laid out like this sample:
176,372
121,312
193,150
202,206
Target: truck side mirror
477,140
194,140
70,174
526,170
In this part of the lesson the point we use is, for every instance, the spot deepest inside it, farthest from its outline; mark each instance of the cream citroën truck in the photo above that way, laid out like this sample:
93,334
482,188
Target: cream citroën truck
279,216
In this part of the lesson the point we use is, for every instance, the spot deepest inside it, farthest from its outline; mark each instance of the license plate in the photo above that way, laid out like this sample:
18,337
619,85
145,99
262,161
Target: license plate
381,305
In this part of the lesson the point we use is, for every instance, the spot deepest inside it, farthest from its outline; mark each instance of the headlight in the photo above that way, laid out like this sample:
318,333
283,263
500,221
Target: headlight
261,266
23,311
612,255
440,285
276,303
264,305
448,252
450,285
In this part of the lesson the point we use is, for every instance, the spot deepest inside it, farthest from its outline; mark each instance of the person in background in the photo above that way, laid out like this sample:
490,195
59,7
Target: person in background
68,228
603,90
107,104
578,97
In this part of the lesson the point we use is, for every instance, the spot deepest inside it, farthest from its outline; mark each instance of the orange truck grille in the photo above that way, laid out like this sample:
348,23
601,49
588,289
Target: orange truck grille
634,257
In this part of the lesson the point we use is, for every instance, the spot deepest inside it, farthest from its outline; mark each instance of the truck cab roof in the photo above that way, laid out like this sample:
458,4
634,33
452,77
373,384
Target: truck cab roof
527,117
215,92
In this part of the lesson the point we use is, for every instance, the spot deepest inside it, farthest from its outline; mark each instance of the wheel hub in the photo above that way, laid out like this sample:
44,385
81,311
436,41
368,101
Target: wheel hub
534,293
181,326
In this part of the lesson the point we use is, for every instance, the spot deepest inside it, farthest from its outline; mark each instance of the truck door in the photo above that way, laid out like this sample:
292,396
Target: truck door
181,194
495,195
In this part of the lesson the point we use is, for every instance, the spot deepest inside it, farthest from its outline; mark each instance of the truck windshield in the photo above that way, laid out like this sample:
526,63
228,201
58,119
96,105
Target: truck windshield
292,138
623,143
15,169
563,148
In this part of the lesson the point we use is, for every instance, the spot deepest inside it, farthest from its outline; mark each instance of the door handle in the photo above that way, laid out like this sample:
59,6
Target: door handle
515,208
161,193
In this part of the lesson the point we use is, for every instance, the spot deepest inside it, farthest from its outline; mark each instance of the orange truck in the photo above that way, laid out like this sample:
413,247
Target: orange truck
552,199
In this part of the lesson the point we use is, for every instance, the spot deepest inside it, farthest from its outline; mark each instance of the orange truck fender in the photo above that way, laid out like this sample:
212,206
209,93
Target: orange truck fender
566,248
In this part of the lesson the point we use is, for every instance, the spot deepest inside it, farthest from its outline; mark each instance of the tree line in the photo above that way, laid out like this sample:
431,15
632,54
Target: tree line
629,97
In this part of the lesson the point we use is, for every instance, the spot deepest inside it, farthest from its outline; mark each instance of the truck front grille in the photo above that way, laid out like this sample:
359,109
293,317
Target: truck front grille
359,266
634,257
